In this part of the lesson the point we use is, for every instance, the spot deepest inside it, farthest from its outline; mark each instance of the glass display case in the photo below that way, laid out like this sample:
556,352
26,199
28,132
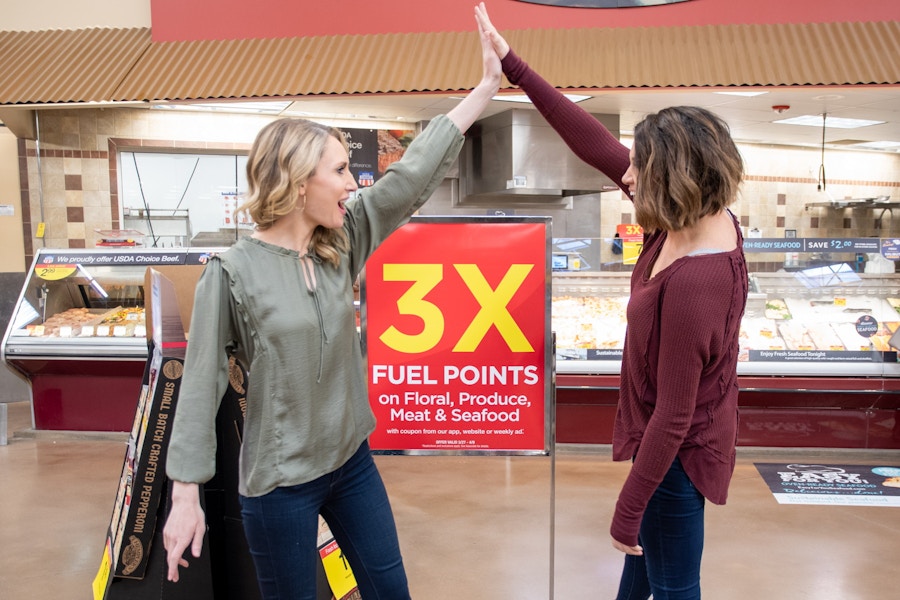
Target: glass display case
818,315
78,333
818,363
832,323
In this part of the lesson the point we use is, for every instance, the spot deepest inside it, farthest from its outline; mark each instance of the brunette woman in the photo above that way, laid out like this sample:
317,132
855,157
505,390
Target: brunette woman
677,414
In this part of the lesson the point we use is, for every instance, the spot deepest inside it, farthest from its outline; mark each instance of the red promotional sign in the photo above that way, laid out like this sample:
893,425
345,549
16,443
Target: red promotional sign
456,328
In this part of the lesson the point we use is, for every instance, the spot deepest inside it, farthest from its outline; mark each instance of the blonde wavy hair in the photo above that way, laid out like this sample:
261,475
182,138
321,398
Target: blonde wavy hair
283,157
687,167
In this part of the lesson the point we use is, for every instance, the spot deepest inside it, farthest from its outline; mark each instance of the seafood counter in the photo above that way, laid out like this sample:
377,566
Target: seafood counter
788,328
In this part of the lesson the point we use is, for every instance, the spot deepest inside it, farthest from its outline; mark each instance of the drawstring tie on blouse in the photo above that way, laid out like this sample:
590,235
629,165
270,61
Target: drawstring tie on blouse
309,277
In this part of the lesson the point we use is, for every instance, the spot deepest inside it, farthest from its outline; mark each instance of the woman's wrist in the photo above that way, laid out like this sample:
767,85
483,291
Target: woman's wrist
185,492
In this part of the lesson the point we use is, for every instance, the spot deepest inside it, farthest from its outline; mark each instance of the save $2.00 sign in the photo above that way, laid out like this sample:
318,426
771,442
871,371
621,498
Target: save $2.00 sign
456,334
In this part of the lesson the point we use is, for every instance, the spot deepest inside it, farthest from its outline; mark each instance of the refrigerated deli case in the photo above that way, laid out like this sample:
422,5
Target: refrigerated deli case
818,357
78,334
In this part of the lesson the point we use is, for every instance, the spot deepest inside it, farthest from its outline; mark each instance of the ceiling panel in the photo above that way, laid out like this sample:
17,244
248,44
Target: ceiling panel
751,118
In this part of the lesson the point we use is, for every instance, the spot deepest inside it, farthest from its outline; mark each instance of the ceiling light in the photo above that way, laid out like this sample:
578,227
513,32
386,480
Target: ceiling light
835,122
267,108
522,98
878,145
343,116
741,93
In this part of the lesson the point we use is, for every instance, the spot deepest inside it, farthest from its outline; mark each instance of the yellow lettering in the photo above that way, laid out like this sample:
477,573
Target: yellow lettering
424,277
493,308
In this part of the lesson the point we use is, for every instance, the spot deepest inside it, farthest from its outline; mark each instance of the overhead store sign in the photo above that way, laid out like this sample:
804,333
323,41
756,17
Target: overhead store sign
372,151
456,328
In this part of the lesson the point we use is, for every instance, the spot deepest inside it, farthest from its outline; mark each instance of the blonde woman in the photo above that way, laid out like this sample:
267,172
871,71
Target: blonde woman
281,300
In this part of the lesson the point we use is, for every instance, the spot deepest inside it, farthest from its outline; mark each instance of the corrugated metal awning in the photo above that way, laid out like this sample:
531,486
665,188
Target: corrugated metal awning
302,66
716,55
67,65
100,65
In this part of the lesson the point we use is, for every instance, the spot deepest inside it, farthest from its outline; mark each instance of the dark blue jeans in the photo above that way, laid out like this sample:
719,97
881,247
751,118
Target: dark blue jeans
672,537
282,529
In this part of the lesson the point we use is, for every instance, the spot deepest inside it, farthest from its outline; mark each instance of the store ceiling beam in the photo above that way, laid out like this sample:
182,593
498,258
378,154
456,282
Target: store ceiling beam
19,121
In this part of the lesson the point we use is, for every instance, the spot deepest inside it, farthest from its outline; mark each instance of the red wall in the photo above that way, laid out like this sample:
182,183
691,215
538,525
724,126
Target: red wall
181,20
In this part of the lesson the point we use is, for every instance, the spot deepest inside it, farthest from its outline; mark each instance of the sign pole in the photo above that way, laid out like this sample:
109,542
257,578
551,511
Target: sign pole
456,336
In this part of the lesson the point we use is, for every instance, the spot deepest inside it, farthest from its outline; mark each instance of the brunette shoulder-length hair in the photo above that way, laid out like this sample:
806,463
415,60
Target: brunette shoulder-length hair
283,157
687,167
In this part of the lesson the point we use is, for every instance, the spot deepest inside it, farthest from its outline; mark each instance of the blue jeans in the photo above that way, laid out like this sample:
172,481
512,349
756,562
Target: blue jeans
672,537
282,528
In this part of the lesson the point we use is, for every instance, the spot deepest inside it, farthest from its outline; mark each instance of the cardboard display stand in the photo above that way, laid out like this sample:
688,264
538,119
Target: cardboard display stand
133,564
134,559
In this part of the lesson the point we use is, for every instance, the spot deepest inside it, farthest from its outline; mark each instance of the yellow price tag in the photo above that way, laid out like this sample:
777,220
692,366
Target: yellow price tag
54,272
840,301
337,570
631,251
102,578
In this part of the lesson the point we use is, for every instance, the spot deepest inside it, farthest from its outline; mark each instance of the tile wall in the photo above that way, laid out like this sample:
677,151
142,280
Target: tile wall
781,185
73,188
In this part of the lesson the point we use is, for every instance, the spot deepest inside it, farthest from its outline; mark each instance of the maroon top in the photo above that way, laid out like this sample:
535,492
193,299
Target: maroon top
678,390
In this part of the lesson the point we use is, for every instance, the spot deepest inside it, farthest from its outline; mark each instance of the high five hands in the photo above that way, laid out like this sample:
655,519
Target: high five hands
484,23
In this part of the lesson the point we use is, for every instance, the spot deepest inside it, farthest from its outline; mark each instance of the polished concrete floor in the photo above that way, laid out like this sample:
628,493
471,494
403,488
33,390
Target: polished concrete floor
476,528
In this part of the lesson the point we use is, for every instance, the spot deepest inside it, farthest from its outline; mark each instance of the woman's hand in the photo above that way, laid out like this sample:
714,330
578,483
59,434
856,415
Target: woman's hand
490,59
185,526
471,107
484,25
633,550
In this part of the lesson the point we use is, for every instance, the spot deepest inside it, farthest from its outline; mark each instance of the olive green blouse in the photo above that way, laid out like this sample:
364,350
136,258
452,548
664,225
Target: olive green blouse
307,401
